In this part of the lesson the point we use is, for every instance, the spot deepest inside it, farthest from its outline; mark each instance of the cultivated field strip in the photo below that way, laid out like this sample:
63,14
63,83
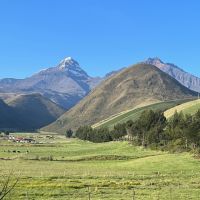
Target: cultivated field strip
187,108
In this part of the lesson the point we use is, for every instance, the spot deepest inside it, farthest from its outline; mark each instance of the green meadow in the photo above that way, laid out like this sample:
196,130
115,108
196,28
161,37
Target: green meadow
60,168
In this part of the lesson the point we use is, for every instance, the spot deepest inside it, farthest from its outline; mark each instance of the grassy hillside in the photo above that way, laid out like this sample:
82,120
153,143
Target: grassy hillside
187,108
134,114
27,112
112,170
138,84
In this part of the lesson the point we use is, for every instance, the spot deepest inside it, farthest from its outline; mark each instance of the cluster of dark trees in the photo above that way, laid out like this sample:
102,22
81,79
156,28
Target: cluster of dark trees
180,132
148,129
153,130
101,134
184,131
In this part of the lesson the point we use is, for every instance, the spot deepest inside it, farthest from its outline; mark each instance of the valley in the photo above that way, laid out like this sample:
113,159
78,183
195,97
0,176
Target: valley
119,140
65,168
99,100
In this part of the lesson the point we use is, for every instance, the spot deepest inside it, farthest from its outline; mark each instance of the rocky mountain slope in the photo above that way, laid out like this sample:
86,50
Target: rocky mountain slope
188,80
28,112
65,84
142,83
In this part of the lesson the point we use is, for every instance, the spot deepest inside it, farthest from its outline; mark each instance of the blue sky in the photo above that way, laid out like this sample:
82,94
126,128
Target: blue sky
102,35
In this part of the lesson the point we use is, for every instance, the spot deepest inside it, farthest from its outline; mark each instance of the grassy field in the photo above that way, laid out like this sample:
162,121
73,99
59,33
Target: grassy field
135,113
59,168
187,108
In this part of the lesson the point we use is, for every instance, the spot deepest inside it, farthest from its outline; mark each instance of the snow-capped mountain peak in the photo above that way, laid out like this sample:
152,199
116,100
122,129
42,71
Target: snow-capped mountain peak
65,84
68,62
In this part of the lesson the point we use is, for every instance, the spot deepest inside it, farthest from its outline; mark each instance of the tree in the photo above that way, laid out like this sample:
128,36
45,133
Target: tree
7,185
84,132
7,133
176,126
148,128
93,135
129,125
184,130
134,131
118,131
193,130
69,133
101,135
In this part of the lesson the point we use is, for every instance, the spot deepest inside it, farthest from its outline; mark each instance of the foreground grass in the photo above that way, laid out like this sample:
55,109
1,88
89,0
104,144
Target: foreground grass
114,170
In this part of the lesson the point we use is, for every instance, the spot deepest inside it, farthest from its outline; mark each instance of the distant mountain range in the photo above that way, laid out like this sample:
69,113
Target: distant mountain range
28,112
39,100
65,84
136,85
188,80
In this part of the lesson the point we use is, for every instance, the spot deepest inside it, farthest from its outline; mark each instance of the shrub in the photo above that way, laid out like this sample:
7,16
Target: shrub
69,133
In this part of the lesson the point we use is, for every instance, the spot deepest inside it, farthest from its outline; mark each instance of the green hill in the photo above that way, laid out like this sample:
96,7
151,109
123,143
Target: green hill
136,85
187,108
135,113
28,112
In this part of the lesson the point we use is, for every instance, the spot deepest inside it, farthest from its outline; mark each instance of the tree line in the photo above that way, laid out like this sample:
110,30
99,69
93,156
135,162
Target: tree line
101,134
152,129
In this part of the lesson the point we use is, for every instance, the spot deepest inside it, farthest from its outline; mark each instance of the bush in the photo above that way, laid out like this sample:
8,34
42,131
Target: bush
69,133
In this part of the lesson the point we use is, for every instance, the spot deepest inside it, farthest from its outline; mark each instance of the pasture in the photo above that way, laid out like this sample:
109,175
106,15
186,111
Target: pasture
60,168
